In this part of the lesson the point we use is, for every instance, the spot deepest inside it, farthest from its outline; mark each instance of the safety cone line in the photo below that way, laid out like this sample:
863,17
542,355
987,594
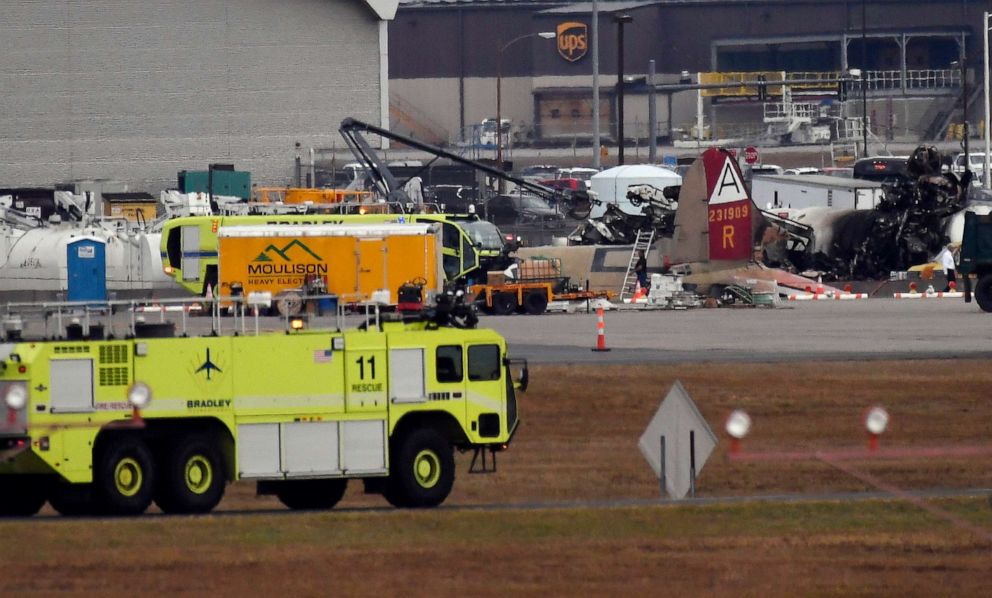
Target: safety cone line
827,296
934,295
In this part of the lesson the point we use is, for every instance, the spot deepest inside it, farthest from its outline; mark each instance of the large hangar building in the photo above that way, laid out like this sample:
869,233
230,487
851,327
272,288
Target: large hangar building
447,55
136,91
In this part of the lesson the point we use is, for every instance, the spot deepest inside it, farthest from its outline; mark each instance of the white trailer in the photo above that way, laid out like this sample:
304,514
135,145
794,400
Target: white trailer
610,186
814,191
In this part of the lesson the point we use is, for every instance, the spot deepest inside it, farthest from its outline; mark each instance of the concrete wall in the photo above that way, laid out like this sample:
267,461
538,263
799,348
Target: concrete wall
137,91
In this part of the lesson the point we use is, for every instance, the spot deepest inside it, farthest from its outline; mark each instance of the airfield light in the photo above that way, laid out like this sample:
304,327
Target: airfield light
139,395
876,420
16,396
738,424
296,323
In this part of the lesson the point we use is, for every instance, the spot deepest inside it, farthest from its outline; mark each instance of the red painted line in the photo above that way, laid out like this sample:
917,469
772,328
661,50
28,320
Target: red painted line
861,454
929,508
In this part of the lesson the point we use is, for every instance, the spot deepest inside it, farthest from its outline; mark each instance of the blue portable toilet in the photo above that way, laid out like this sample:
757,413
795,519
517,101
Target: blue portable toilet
86,260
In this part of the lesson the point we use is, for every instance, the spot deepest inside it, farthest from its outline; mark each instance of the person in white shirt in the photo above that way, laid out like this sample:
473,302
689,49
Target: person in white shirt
946,259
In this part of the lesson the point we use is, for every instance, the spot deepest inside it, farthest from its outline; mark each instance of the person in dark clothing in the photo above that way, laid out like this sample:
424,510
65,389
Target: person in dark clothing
641,269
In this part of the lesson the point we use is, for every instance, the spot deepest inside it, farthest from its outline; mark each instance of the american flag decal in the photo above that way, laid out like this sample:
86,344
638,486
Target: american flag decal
323,355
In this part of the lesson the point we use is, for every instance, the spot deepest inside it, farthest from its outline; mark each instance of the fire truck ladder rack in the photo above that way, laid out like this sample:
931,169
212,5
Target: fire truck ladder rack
87,320
641,243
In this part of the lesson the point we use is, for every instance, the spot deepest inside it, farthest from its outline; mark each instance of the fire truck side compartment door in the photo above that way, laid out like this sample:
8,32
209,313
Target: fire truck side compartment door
71,381
406,376
363,446
191,252
258,451
310,448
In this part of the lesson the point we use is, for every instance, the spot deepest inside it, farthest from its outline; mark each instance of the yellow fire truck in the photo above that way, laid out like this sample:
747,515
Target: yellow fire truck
112,416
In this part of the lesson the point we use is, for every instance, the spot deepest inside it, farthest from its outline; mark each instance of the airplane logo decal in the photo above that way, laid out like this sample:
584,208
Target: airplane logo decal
283,253
208,365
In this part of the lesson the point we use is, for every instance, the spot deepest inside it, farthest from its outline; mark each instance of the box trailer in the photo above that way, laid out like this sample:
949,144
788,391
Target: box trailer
809,191
352,261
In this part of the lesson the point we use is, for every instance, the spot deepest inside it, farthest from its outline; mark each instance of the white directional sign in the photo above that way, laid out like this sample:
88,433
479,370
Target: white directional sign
685,432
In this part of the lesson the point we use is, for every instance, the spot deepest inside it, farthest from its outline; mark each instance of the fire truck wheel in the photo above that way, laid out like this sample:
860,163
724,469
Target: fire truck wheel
504,304
983,292
535,303
192,476
72,500
123,476
302,495
423,471
20,496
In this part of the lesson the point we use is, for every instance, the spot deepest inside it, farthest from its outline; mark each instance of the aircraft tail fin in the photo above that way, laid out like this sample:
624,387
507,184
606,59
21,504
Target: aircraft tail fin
716,219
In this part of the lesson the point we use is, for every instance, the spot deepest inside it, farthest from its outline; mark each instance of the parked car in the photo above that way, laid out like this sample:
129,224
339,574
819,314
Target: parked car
843,172
881,168
579,173
802,170
452,199
752,171
976,163
522,209
538,172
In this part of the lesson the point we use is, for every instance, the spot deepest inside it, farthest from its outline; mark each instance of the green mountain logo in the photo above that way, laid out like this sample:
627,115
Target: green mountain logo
266,256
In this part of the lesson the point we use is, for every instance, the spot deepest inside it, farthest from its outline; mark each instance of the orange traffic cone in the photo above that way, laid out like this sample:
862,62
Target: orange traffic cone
209,295
819,285
638,294
600,331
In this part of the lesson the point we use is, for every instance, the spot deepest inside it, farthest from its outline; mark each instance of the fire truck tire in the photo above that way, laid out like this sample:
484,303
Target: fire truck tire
303,495
72,500
535,303
423,471
191,476
504,304
123,476
21,496
983,292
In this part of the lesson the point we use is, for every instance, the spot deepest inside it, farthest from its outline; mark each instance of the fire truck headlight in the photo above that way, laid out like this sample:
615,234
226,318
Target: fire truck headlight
16,396
139,395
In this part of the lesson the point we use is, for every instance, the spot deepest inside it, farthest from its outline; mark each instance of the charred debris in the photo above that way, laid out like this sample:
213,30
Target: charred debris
905,228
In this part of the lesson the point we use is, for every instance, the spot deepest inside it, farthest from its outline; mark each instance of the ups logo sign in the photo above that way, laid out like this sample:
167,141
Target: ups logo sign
572,40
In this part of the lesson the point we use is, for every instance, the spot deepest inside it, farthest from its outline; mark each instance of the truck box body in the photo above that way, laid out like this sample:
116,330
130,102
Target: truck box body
353,260
808,191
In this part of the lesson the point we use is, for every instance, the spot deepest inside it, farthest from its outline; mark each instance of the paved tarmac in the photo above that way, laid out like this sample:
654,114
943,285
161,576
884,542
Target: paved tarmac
827,330
794,331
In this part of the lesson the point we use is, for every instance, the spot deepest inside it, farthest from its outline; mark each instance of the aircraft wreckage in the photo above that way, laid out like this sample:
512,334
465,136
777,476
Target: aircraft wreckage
905,228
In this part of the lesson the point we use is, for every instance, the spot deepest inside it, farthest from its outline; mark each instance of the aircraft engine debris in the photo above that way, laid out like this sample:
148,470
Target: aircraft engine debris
616,227
906,228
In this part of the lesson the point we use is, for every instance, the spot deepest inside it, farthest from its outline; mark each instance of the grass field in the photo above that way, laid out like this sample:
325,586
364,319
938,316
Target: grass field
578,442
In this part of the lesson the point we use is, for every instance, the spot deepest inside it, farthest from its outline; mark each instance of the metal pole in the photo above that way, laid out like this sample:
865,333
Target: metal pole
864,78
964,105
652,117
692,463
596,160
621,20
985,78
663,478
499,107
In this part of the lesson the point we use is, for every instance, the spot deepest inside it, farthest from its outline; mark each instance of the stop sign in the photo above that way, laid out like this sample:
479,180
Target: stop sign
751,154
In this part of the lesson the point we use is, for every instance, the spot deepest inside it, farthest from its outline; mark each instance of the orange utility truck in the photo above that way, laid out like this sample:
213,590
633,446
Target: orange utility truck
352,261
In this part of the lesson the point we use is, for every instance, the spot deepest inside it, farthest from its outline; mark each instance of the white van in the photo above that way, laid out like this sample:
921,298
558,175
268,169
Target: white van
976,163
